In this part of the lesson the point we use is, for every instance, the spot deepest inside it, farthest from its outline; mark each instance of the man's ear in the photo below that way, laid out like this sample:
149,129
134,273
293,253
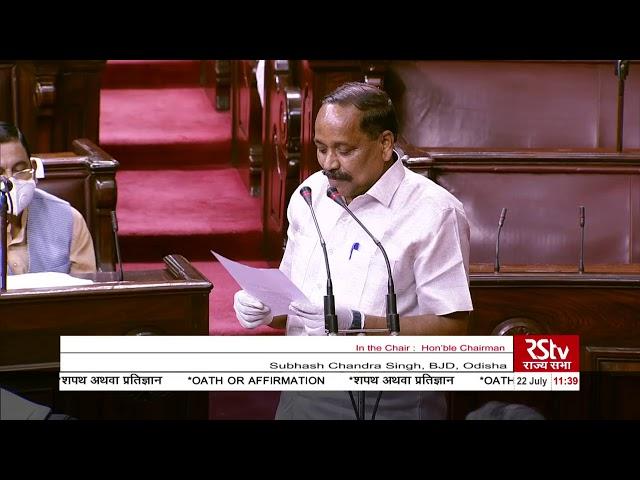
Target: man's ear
387,145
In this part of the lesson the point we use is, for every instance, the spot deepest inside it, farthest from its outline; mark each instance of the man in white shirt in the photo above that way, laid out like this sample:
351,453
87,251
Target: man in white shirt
422,226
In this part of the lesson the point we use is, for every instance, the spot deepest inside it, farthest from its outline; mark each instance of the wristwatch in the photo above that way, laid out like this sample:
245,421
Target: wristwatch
358,320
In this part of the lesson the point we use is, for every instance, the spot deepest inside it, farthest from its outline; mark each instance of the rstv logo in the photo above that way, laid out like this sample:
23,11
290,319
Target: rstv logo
550,353
547,348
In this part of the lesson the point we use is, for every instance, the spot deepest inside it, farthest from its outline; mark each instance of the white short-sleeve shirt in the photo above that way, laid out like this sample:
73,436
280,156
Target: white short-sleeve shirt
422,227
426,235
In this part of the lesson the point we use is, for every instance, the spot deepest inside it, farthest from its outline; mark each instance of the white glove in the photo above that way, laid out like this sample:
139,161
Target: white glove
313,317
250,311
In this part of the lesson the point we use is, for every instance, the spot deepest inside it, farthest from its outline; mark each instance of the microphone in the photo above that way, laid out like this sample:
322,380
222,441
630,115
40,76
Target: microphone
6,185
114,227
581,261
330,318
393,319
503,215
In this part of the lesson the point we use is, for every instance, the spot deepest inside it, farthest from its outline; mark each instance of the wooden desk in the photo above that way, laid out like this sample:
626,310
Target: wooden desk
173,301
601,305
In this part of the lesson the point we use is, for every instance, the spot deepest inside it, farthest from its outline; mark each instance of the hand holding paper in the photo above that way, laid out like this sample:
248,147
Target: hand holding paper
269,285
250,311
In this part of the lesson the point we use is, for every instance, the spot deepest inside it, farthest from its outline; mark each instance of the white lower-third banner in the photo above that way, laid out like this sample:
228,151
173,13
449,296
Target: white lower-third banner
181,363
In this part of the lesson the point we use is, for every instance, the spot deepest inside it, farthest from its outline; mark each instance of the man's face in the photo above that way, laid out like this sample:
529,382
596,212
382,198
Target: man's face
13,158
352,161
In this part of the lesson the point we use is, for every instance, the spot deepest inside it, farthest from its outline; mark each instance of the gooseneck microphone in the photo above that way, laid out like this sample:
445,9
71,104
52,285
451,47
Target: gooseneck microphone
114,226
330,318
581,261
5,184
393,319
503,215
5,187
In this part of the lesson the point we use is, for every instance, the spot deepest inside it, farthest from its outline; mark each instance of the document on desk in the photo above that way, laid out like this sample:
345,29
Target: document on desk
269,285
44,280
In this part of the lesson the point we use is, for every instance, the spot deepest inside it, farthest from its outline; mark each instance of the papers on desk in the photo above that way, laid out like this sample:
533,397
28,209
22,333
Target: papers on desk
269,285
44,280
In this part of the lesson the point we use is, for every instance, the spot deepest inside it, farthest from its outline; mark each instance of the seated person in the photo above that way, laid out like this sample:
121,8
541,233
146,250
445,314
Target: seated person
44,233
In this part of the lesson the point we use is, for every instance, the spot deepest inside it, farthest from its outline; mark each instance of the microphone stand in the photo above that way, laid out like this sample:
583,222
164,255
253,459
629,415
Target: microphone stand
5,186
330,317
393,319
621,71
114,227
581,259
503,214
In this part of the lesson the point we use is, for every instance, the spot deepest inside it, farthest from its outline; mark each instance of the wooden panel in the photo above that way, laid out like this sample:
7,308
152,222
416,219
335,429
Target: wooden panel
631,121
616,387
53,101
215,78
77,108
542,191
281,151
601,308
513,104
612,359
247,124
223,84
7,107
173,301
531,294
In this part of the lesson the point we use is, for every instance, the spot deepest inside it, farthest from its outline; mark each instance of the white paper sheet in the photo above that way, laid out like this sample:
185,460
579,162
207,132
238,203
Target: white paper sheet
269,285
13,407
44,279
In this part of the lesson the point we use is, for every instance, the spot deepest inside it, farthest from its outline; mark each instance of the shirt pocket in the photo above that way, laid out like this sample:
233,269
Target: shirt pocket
349,280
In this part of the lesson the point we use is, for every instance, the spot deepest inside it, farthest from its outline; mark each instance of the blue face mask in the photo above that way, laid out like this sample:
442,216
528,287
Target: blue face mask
20,195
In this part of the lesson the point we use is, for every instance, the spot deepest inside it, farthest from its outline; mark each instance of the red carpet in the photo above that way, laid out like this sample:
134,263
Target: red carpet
163,128
188,212
177,192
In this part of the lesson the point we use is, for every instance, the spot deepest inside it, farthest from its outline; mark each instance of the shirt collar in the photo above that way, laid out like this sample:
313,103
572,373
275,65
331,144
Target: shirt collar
387,185
16,233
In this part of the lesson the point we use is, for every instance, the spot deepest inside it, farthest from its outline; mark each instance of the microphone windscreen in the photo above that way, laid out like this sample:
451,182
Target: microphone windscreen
503,215
334,194
114,221
306,194
6,185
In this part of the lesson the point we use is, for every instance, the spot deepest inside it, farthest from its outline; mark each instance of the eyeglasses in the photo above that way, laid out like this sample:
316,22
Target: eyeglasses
26,174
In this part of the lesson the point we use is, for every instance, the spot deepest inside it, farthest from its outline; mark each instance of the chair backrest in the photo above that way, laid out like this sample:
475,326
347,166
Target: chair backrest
542,191
86,178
